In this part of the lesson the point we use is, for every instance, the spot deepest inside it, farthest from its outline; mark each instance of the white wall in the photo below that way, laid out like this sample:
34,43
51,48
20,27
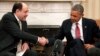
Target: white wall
42,13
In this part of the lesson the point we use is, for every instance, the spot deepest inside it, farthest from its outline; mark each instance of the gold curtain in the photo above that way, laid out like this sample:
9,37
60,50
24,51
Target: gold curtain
92,8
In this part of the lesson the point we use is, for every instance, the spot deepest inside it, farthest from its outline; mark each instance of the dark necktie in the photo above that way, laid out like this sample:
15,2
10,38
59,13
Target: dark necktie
77,31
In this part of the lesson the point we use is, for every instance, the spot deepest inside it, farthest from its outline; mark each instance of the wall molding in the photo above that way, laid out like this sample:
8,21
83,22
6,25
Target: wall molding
39,0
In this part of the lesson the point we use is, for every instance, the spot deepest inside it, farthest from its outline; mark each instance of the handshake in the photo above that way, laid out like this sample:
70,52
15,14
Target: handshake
42,41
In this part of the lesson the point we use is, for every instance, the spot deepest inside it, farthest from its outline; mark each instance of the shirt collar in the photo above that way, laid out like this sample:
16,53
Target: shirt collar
80,21
16,18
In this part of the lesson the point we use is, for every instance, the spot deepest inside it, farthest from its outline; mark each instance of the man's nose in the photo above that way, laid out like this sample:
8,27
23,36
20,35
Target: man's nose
26,14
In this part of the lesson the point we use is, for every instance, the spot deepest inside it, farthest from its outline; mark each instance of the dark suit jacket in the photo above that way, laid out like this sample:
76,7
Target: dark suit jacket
90,30
10,32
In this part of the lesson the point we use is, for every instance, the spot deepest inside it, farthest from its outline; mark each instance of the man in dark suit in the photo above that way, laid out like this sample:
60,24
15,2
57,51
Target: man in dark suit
88,29
13,30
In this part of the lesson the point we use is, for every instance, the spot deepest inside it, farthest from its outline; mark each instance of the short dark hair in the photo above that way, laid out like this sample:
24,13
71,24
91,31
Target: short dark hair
17,5
78,7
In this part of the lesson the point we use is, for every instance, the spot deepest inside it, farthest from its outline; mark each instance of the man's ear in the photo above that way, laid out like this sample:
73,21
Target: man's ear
82,14
17,10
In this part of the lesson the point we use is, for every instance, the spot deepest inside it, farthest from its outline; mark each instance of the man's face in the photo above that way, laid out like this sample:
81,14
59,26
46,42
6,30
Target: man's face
75,16
23,13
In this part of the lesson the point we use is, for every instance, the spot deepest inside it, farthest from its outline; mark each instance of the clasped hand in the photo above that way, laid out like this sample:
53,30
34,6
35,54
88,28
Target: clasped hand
42,41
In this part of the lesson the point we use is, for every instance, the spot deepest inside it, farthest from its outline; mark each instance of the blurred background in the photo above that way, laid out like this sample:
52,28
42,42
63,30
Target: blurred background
46,16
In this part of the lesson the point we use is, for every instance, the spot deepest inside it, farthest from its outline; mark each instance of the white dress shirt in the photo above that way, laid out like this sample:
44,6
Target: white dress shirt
19,50
80,27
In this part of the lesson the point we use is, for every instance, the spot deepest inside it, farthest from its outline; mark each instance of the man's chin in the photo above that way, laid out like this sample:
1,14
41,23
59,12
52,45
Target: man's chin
24,19
73,21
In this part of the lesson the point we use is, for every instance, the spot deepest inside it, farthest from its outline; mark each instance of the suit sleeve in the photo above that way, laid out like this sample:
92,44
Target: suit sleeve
11,27
59,35
96,30
96,34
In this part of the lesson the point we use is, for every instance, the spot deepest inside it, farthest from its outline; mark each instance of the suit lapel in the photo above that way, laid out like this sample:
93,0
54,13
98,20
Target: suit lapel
15,20
69,25
84,25
24,25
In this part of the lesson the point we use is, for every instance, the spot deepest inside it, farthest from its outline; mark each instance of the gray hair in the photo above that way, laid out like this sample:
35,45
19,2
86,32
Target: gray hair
78,7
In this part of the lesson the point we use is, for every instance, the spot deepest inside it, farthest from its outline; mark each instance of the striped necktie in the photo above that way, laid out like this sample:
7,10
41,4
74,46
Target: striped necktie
77,31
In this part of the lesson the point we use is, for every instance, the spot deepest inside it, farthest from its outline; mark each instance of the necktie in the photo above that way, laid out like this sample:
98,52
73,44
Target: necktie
77,31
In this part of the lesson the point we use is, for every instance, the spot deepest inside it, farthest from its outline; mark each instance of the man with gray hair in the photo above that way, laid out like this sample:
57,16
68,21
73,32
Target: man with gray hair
79,32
